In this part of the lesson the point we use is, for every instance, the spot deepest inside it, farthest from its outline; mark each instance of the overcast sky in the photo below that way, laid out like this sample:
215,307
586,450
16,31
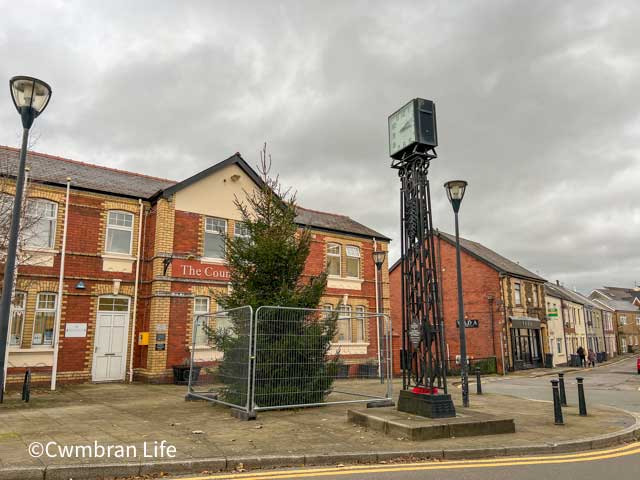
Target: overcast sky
538,108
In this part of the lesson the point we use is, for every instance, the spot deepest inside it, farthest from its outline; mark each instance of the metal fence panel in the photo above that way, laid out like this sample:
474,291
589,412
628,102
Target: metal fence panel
310,357
220,367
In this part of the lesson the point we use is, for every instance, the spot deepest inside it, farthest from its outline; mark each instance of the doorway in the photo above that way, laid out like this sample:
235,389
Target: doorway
110,344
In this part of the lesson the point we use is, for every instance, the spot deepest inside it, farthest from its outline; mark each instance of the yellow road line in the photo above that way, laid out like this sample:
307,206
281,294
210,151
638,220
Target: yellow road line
630,449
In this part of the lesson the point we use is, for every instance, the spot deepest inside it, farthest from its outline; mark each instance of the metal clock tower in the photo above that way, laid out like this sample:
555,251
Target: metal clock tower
412,141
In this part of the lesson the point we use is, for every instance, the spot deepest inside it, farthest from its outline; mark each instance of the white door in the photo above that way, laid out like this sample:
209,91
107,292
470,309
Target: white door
110,346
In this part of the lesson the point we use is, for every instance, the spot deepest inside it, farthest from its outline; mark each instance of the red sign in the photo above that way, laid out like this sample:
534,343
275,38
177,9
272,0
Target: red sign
194,269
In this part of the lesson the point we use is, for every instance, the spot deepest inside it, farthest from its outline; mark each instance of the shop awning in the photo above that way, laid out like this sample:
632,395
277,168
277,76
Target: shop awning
525,322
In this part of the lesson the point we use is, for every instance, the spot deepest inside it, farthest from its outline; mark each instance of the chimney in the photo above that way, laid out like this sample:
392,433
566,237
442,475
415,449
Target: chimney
558,282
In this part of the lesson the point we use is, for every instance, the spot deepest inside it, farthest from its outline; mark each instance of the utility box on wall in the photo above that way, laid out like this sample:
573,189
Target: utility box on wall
143,338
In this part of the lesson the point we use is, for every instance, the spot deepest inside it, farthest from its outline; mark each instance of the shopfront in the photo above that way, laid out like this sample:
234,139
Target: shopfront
526,346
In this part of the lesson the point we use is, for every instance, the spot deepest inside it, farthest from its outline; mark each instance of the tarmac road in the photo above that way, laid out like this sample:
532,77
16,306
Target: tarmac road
616,385
621,463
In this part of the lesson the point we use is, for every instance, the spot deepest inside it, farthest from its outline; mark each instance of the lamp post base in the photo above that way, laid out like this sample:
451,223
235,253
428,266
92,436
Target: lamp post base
426,405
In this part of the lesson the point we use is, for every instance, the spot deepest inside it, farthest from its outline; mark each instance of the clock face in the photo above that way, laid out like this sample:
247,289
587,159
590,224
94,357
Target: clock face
402,131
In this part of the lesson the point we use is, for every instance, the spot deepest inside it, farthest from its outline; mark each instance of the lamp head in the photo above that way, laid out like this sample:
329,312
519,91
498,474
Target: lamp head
30,97
455,192
378,258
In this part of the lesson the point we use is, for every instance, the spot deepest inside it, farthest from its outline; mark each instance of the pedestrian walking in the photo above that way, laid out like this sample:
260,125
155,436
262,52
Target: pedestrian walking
592,358
581,354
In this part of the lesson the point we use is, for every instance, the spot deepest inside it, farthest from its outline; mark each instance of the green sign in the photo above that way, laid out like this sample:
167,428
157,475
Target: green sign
553,312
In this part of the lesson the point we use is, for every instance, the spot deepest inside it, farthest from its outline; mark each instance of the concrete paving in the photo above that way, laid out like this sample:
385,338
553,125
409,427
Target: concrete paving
135,415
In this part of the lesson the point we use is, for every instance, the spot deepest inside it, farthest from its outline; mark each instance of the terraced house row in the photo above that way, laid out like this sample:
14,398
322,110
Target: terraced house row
515,319
143,255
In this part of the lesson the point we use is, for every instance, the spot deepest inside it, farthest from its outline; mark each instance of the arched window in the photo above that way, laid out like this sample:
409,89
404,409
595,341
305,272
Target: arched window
334,260
119,232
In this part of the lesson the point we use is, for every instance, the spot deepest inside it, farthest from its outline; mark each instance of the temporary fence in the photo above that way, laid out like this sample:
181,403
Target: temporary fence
284,357
220,366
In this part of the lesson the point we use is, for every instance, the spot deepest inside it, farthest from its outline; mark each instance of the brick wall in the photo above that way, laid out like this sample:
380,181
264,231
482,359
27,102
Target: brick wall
479,283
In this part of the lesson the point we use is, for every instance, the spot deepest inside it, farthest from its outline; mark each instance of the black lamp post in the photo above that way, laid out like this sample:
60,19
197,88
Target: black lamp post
378,259
455,191
30,97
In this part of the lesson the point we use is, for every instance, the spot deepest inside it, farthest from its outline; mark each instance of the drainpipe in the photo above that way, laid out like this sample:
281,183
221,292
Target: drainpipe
493,324
135,293
378,311
56,328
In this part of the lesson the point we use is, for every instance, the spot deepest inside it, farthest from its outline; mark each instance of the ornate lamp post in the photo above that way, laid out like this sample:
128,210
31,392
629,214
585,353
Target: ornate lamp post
30,97
455,191
378,259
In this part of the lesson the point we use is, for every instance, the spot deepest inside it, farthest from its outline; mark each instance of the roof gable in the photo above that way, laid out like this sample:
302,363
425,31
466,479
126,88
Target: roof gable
235,159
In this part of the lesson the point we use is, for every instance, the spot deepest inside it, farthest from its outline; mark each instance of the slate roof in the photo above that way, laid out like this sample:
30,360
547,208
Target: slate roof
604,295
334,223
54,170
559,291
493,259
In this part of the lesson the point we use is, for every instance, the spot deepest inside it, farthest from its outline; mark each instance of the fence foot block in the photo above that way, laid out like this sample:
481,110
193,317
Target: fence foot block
242,414
381,403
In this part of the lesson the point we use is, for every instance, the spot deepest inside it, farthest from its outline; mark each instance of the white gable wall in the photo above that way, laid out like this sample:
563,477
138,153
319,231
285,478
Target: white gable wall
214,195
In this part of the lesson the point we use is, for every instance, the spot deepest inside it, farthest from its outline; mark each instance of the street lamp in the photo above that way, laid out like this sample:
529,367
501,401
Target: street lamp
378,259
30,97
455,192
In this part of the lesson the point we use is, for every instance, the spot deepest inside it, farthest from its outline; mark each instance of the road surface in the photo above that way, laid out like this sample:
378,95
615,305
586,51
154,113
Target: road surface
617,385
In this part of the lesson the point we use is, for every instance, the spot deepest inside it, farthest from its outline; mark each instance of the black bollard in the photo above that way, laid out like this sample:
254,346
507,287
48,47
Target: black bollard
26,386
563,393
557,408
582,404
478,382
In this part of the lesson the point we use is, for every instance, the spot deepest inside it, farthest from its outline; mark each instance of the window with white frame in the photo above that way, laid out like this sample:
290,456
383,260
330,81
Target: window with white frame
17,318
623,319
119,232
637,319
559,345
353,261
113,304
44,319
334,260
240,230
215,235
327,309
200,307
343,327
40,223
517,294
360,324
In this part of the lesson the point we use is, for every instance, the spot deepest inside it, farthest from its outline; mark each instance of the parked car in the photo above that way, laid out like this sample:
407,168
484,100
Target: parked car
638,365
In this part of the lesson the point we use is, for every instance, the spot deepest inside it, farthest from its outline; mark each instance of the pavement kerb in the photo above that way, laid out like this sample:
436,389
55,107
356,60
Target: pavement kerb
198,465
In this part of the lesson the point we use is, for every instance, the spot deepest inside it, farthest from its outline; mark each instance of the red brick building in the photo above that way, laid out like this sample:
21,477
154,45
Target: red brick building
144,255
503,304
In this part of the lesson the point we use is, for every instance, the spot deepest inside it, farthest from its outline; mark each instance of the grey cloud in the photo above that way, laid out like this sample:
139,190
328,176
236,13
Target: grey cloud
537,107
